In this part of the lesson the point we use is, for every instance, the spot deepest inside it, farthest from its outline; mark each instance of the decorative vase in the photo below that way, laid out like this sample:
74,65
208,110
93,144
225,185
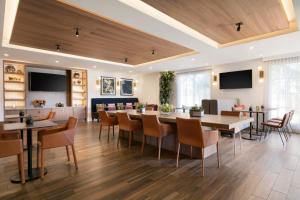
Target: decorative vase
141,110
29,121
21,113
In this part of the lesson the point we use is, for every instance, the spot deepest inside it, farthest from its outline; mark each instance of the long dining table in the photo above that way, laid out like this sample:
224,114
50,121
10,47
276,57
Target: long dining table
207,121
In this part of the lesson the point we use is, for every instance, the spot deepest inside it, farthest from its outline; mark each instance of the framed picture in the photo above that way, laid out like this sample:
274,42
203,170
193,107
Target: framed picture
126,87
108,85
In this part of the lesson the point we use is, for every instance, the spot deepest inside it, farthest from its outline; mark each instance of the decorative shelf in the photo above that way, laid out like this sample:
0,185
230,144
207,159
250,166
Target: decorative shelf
79,91
15,99
14,73
14,82
14,90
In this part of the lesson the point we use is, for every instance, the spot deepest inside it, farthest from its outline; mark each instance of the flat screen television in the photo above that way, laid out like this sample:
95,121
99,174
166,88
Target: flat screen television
47,82
236,79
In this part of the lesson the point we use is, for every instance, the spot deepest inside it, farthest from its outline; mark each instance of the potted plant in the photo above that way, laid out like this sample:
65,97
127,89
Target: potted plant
166,109
141,108
196,111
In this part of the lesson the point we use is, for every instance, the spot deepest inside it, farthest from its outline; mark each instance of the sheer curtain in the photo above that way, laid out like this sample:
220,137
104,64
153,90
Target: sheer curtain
283,88
192,87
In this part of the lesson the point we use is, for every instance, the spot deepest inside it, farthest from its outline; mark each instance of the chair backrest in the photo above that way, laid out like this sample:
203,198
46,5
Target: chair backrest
51,115
72,123
123,120
285,120
230,113
104,116
151,125
190,131
292,112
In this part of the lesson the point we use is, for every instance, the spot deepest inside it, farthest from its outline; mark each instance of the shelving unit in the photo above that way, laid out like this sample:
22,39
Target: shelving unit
14,84
79,88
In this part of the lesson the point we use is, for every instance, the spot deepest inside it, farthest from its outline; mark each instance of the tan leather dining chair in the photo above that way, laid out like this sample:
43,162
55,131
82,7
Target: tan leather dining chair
190,132
127,125
50,116
11,144
106,120
233,131
153,128
57,137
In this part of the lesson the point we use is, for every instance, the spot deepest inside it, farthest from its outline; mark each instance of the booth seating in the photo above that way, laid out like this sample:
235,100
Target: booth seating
102,104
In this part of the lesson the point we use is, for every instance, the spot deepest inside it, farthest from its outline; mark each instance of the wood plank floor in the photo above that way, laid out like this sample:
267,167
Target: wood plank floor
259,171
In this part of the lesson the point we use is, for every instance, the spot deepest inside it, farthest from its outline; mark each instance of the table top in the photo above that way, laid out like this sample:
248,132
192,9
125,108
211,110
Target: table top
23,126
15,116
265,110
214,121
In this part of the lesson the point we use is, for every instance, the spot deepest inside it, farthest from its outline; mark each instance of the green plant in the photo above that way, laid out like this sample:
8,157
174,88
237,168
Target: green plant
165,84
196,108
140,106
166,107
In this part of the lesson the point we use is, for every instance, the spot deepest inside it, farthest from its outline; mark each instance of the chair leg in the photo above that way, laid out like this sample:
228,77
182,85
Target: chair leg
100,131
159,148
113,130
234,144
130,137
68,154
281,137
21,167
202,159
74,156
191,152
42,162
38,155
143,144
118,143
178,150
108,133
218,155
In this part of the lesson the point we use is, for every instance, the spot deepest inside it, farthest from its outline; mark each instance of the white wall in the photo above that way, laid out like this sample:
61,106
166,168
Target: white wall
149,85
1,92
51,97
94,90
253,96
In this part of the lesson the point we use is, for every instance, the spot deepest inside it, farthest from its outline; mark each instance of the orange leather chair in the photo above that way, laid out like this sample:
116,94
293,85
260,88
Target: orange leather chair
152,127
190,132
233,131
11,144
57,137
128,125
50,116
106,120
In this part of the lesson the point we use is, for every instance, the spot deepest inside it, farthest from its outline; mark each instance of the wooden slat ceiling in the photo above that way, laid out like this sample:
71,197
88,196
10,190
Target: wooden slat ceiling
216,19
44,23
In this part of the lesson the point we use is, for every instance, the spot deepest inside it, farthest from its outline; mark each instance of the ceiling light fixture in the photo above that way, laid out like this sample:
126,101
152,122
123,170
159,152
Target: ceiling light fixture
238,26
77,32
153,52
57,61
251,48
6,54
193,59
126,60
58,47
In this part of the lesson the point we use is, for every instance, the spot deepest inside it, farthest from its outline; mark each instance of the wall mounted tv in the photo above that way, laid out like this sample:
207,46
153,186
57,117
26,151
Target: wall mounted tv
47,82
236,79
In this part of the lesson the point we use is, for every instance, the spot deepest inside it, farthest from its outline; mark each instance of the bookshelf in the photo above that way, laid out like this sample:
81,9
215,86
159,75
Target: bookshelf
79,88
14,84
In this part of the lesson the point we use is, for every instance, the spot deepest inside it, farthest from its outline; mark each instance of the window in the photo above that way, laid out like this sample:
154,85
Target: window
192,87
283,88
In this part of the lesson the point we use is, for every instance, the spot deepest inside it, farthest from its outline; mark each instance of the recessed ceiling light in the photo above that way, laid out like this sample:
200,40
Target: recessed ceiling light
57,61
77,32
94,66
150,67
261,55
206,63
6,54
193,59
130,71
251,48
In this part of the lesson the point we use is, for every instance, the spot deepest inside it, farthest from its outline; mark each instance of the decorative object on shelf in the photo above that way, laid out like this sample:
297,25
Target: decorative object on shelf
59,104
79,82
250,109
166,109
76,75
108,85
126,87
10,69
21,113
257,108
196,111
29,120
13,78
262,107
141,108
19,71
120,106
165,86
39,103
